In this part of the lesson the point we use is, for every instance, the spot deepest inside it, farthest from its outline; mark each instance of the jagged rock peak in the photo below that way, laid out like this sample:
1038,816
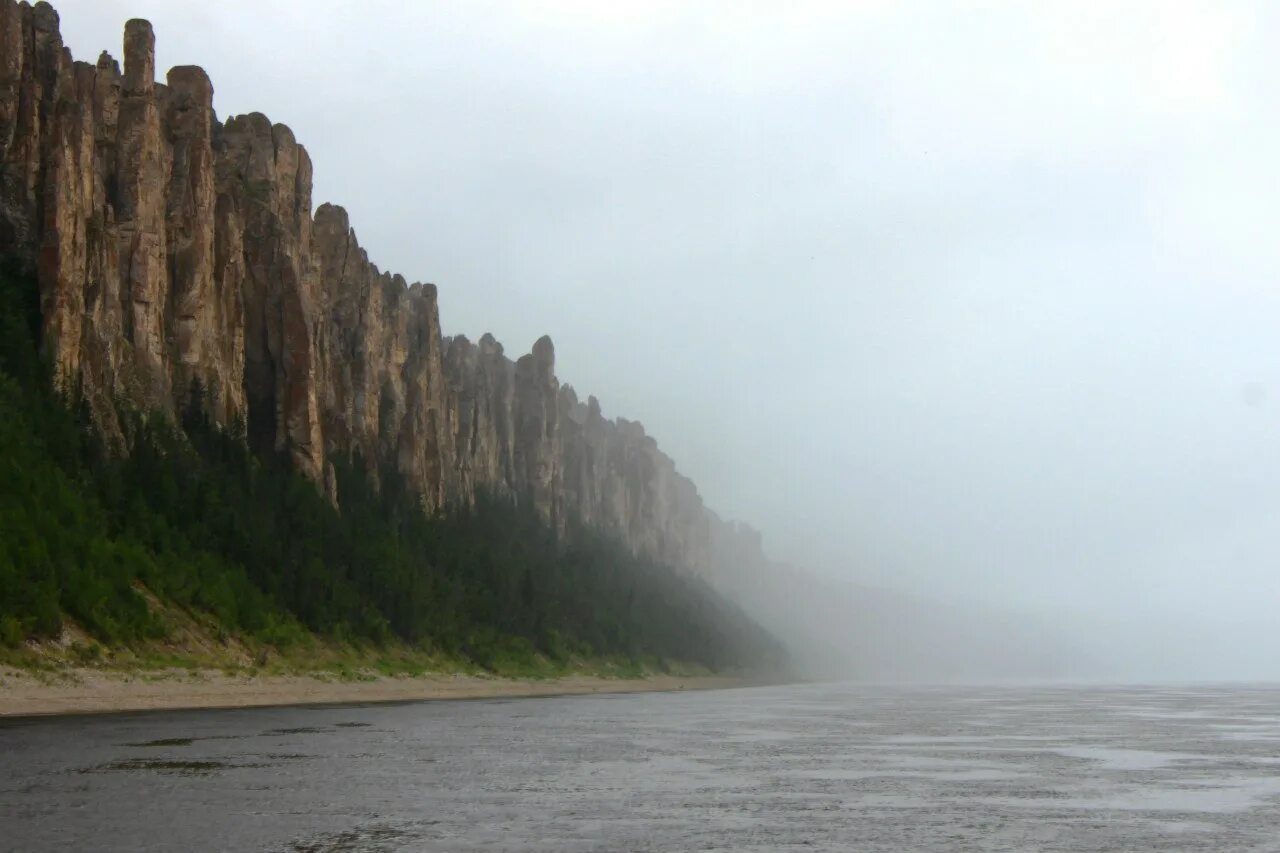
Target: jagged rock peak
176,253
139,57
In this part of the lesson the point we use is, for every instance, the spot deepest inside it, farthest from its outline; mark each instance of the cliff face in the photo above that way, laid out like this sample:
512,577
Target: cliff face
175,252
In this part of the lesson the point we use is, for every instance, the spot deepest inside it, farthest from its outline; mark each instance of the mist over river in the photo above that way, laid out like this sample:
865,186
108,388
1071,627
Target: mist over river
817,767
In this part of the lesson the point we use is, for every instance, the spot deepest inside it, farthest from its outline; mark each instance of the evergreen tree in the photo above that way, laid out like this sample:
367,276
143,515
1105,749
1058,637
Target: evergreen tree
191,515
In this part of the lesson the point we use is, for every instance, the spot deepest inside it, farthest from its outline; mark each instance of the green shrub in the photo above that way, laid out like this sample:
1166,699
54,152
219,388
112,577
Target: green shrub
11,632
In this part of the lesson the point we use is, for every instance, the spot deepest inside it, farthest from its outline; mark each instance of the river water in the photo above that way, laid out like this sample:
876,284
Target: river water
817,767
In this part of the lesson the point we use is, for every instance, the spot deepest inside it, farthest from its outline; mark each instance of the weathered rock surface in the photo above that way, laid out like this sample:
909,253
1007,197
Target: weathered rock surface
176,252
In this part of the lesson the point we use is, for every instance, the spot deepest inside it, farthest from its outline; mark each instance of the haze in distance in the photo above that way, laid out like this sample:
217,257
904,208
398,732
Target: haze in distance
976,304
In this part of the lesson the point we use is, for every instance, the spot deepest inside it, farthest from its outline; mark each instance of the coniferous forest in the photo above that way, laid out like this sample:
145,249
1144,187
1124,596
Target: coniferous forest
191,516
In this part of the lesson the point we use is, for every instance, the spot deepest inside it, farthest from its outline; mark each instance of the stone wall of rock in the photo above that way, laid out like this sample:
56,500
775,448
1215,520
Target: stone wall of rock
179,254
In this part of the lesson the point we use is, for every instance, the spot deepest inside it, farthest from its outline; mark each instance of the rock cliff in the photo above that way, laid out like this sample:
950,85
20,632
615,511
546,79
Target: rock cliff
178,254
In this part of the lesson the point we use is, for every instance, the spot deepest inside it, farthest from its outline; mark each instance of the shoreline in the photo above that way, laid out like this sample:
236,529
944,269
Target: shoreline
91,691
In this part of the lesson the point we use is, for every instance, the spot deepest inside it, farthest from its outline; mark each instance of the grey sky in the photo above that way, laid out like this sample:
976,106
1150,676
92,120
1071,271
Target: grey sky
979,299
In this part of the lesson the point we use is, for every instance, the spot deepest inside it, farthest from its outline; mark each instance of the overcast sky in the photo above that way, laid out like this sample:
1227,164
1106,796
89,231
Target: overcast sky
973,298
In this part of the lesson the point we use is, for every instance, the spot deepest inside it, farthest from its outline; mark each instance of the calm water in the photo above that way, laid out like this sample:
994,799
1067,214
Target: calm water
788,768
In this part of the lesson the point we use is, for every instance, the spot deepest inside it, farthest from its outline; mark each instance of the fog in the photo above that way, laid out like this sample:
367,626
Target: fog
974,302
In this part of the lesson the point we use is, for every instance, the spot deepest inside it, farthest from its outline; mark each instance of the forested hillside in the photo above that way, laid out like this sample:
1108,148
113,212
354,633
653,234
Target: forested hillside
192,516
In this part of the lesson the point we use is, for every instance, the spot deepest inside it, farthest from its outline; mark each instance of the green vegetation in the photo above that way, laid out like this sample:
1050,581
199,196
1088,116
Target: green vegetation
191,522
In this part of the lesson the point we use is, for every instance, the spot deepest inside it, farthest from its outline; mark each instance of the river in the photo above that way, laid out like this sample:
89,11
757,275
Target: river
812,767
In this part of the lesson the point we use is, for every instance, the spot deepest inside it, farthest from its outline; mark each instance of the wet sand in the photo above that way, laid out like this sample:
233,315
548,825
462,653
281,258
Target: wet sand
88,691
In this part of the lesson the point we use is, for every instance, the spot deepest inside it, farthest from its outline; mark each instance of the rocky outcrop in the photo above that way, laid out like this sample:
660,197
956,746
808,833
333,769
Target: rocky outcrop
180,262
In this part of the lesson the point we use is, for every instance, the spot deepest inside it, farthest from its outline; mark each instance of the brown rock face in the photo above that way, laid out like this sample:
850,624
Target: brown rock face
177,254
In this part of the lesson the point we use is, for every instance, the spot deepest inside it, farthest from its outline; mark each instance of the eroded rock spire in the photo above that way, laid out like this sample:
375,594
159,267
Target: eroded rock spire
177,254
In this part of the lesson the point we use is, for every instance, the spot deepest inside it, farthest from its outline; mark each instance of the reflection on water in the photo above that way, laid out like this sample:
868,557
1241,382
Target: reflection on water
808,768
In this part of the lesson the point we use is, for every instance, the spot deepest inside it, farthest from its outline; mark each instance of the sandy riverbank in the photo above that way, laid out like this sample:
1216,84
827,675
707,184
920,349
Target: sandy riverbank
87,691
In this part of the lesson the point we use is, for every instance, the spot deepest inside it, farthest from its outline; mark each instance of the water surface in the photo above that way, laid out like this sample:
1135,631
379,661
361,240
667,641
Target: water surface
782,768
